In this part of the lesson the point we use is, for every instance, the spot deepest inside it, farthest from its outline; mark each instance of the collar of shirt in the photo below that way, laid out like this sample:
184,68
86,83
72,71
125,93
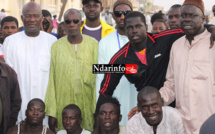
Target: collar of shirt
197,38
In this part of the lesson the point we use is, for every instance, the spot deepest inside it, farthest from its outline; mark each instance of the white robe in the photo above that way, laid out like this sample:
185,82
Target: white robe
30,58
125,92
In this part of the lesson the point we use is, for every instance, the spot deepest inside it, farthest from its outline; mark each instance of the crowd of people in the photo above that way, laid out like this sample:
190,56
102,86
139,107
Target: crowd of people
47,85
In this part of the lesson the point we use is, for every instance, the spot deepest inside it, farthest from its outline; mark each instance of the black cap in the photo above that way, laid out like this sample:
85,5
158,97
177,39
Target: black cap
86,1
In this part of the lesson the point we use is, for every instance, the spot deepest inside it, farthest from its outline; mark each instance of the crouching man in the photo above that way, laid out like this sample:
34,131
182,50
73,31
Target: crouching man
153,116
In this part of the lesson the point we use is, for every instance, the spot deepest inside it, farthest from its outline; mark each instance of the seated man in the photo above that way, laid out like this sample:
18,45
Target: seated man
33,124
108,117
153,118
71,119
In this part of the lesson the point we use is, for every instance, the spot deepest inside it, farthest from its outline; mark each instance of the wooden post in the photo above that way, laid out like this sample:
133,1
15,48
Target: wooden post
62,10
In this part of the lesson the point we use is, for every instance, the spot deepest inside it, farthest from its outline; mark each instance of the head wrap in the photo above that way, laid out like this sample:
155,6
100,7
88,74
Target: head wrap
198,3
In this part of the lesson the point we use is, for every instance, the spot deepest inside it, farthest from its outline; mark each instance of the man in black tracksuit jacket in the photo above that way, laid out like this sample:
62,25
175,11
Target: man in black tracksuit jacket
153,74
157,55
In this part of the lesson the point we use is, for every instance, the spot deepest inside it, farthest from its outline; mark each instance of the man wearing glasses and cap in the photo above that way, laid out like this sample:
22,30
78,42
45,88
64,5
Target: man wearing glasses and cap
71,79
93,26
125,91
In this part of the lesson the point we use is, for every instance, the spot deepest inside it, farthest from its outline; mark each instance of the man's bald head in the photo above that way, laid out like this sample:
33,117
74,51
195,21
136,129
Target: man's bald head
72,12
30,5
36,100
146,91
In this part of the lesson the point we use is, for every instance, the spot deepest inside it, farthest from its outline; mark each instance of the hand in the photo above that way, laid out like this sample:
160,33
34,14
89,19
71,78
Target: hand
41,25
49,30
133,112
50,25
53,123
212,39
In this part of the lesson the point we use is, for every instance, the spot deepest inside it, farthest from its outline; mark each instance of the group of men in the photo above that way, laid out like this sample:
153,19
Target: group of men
179,62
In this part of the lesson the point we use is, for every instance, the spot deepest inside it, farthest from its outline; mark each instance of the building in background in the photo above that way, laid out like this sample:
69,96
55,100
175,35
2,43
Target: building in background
14,7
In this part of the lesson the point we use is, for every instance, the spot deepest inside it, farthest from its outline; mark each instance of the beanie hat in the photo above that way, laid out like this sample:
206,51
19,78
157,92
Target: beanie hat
118,2
198,3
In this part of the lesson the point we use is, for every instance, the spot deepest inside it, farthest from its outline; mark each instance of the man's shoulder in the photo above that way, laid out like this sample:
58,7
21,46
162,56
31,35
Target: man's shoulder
167,34
47,35
6,69
179,42
49,131
121,55
13,130
171,112
89,39
60,42
135,118
84,131
106,26
17,35
62,132
109,37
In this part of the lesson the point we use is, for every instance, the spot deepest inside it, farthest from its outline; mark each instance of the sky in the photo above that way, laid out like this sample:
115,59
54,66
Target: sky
168,3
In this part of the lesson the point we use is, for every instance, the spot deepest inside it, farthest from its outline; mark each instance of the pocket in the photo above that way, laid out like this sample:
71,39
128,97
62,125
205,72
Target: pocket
45,61
89,77
200,70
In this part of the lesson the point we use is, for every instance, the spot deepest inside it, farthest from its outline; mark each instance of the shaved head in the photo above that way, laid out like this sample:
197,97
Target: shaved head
146,91
72,12
29,5
33,101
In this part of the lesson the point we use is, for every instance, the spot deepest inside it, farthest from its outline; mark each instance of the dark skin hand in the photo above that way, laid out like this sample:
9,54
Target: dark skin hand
53,123
212,30
50,25
133,112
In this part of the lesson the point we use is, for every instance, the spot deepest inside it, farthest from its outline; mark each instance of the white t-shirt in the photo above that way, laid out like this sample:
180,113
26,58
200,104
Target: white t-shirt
83,132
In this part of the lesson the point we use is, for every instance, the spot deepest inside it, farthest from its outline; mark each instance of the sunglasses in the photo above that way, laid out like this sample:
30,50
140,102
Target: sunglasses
75,21
119,13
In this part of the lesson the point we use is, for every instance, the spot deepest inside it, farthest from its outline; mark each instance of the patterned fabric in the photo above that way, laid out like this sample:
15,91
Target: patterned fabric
171,123
71,80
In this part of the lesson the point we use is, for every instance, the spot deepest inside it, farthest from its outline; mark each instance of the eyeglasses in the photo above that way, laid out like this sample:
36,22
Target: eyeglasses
75,21
36,16
119,13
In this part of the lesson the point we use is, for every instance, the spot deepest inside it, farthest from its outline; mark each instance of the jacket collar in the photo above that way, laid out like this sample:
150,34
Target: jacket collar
130,51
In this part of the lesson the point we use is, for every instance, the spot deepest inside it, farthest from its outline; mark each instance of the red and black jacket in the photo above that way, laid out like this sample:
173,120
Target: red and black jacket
157,54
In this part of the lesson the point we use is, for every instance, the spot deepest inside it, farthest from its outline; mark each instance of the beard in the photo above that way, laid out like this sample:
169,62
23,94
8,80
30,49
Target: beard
121,28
